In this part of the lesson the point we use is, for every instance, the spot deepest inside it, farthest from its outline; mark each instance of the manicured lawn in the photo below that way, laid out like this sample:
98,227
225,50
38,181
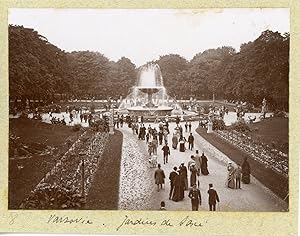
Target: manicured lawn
274,181
104,192
272,131
23,180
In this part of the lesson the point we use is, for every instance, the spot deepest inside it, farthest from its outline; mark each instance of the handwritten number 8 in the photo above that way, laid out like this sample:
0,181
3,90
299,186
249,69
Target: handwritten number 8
13,217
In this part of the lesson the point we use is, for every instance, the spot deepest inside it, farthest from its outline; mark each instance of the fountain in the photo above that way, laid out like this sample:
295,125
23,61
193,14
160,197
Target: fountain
148,97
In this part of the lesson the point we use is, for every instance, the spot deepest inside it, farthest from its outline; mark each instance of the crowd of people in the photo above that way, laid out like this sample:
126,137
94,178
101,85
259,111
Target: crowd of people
185,178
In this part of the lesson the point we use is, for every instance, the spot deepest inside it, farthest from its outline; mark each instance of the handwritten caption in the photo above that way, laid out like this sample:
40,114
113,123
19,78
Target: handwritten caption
127,221
187,221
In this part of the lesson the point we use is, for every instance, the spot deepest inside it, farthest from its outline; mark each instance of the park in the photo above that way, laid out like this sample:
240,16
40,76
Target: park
89,133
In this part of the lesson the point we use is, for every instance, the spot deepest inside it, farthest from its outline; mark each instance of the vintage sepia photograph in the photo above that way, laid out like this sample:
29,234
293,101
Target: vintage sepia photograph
149,109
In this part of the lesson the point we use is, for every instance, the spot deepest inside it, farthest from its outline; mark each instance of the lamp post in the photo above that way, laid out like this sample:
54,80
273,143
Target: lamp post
82,154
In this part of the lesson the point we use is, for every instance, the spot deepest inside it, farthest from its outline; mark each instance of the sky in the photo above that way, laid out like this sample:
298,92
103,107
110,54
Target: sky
142,35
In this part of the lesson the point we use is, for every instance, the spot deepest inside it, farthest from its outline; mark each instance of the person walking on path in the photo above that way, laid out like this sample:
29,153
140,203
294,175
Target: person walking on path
147,137
165,134
159,176
160,137
186,126
184,173
166,153
193,176
121,121
230,183
190,127
238,174
180,130
177,188
162,206
198,162
213,198
150,149
154,145
246,172
174,141
172,177
191,141
133,128
191,162
182,141
181,186
204,170
195,197
177,120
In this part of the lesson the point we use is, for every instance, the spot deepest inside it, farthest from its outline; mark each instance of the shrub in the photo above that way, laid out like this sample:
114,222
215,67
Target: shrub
279,113
76,127
218,124
240,126
100,125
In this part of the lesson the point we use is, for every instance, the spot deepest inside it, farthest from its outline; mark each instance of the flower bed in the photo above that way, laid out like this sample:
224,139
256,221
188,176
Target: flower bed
270,157
61,188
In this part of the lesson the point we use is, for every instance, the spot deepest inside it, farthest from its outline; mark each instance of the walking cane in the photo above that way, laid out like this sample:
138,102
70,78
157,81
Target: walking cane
218,206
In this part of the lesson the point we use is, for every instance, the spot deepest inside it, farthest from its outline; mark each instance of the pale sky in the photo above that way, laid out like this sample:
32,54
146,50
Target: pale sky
144,35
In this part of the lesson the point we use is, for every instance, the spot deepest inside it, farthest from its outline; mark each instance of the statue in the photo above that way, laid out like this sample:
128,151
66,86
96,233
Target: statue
92,108
264,108
27,104
210,123
209,126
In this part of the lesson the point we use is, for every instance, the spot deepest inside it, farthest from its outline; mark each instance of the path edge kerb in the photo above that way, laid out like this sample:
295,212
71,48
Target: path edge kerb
225,159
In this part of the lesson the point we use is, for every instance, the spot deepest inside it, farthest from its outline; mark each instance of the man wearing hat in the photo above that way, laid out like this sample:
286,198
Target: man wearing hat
159,177
172,177
195,197
213,198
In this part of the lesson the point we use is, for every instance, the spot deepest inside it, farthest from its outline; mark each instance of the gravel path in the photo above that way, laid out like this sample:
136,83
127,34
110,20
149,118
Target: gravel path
136,178
137,189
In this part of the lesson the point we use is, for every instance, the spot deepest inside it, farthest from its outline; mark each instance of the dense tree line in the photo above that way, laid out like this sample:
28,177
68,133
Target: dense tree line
38,69
259,70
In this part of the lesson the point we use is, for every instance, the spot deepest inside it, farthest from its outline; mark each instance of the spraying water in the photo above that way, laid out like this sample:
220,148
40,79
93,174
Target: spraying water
149,96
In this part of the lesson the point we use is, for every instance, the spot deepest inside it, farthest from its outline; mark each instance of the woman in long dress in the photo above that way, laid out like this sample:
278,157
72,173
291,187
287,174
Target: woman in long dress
193,177
204,161
174,141
150,148
181,185
182,141
230,176
176,193
246,172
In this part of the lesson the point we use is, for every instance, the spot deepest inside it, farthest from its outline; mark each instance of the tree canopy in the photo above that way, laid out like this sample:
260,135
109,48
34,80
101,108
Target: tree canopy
259,69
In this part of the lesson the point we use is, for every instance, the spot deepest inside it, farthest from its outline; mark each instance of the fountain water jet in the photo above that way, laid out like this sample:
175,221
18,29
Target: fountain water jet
148,97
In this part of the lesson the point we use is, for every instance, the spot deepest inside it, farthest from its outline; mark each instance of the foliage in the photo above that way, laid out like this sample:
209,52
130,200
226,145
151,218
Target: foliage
240,126
37,69
259,70
54,197
279,113
100,125
76,127
218,124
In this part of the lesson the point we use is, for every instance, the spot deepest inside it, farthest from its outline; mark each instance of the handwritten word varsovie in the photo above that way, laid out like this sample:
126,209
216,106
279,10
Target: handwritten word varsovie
54,219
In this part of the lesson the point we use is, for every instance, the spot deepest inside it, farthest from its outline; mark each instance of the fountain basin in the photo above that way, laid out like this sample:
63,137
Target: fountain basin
147,111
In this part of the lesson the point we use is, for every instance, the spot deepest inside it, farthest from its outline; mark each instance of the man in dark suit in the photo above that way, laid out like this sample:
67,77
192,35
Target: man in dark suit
195,197
172,181
166,153
213,198
191,141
